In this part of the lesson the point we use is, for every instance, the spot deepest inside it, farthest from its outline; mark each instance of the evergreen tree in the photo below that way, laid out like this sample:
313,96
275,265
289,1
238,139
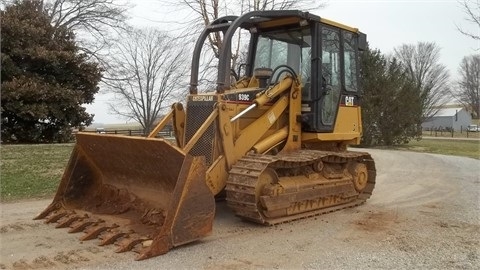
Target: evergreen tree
44,78
391,109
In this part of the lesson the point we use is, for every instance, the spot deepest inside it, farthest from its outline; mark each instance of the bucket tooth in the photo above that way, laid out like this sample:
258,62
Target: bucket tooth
52,207
142,246
128,243
111,237
67,221
94,231
55,216
81,226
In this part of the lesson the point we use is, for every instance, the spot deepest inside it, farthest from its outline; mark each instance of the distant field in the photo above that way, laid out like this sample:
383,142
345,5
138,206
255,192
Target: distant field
132,126
455,147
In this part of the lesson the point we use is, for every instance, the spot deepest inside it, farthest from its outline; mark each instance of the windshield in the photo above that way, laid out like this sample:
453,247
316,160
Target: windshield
291,48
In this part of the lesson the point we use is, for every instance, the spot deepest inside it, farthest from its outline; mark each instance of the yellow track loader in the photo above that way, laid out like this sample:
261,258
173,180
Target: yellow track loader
272,142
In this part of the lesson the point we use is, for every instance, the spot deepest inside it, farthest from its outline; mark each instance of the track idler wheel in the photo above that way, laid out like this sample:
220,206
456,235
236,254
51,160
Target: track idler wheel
267,178
359,173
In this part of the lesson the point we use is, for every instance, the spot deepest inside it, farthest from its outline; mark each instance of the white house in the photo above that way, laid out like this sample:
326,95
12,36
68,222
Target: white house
456,118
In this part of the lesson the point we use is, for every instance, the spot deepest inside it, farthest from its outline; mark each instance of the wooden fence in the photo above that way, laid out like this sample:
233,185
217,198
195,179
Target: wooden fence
439,132
132,132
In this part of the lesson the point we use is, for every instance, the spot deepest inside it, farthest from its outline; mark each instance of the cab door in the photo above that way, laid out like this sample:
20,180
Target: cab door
331,82
334,73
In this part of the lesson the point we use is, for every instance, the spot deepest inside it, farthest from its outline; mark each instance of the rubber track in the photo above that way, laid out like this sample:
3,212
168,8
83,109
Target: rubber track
245,173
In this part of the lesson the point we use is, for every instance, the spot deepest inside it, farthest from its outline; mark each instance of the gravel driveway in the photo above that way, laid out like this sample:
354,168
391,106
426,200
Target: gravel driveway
424,214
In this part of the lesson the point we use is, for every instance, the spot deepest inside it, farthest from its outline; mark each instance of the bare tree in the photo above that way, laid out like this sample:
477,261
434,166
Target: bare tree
472,11
468,92
431,78
148,67
203,12
206,11
94,16
93,21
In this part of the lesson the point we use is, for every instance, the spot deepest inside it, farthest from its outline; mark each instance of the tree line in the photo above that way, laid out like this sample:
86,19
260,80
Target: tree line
57,54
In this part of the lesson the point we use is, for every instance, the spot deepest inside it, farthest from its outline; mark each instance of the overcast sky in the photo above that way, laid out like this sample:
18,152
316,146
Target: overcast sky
387,24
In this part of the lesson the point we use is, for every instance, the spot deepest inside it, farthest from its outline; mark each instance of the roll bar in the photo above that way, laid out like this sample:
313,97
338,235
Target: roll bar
229,25
220,24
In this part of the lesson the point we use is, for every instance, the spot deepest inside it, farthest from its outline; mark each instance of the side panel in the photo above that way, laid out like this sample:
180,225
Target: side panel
348,128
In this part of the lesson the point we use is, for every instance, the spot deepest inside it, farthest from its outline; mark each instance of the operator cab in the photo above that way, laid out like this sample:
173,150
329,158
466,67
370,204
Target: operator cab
323,54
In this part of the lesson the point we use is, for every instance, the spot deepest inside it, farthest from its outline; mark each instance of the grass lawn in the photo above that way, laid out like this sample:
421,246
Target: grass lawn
32,171
465,148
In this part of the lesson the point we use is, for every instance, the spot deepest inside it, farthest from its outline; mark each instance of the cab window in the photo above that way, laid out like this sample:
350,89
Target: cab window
331,78
350,59
291,48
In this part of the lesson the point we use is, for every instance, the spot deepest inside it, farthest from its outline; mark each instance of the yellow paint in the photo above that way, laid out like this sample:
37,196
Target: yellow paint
347,127
339,25
278,22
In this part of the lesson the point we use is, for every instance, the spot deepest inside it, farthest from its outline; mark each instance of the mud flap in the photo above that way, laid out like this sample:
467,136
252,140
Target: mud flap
139,193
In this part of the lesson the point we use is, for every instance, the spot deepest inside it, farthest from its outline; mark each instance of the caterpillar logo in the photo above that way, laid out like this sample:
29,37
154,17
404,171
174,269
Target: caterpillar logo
202,98
349,101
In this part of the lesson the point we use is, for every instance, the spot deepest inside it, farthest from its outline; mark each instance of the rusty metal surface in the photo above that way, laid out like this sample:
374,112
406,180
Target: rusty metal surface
298,191
133,192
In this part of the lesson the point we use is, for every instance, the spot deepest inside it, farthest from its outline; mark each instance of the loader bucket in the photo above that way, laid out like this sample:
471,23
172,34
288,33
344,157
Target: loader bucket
142,194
